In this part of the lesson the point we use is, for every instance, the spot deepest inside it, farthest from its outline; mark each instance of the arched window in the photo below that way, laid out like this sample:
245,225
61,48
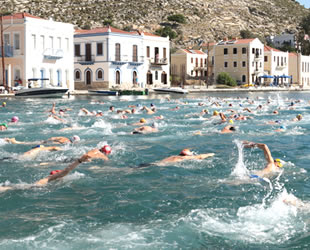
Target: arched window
77,75
99,74
118,77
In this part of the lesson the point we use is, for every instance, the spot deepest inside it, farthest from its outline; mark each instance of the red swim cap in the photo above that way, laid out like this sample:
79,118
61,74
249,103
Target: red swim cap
55,172
186,152
106,149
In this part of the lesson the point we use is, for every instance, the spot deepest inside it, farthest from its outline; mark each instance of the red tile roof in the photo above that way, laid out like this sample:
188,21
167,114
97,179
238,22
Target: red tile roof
292,54
19,16
268,48
244,41
194,51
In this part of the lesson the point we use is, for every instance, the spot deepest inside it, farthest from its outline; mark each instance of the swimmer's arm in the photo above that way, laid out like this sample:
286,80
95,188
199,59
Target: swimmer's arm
267,152
13,141
203,156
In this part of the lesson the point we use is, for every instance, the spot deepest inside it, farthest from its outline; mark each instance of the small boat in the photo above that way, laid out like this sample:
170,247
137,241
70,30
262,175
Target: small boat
171,90
134,92
40,91
102,92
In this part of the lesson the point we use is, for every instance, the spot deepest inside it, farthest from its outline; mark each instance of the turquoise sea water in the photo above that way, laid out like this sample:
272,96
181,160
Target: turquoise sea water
206,204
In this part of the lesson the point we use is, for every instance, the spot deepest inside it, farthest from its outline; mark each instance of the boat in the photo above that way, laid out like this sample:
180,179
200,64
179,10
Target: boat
171,90
103,92
36,91
133,92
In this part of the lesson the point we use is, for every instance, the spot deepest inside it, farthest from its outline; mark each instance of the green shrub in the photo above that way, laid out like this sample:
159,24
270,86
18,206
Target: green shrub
226,79
179,18
166,31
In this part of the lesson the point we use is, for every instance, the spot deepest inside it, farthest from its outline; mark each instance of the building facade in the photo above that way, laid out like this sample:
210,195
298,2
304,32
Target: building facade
189,66
299,69
276,65
242,59
112,58
37,48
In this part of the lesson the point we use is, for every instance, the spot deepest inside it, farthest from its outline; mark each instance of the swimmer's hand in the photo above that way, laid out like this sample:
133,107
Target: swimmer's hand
11,140
248,144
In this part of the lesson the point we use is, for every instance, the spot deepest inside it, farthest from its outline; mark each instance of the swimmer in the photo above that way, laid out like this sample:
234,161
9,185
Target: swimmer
149,111
228,129
159,117
3,126
63,140
281,129
52,110
176,108
3,105
297,118
273,165
141,122
58,118
185,154
35,151
145,130
14,119
57,174
111,109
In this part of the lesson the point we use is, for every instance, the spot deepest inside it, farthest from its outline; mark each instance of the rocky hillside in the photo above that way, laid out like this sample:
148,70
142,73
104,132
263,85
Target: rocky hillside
207,20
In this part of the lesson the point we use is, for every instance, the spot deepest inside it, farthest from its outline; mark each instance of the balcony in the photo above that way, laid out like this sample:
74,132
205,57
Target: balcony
281,67
137,61
86,59
119,59
258,57
159,61
204,67
53,54
8,51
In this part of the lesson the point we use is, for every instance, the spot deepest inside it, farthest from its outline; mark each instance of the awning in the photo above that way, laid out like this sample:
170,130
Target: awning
266,76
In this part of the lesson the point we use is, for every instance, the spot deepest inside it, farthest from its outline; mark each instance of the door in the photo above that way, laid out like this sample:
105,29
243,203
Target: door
134,78
164,78
88,77
88,52
149,78
117,77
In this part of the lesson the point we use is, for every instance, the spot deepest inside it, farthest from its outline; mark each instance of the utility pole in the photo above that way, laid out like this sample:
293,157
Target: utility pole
2,53
207,78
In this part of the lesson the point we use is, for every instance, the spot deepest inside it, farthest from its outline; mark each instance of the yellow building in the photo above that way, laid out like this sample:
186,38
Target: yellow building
189,66
242,59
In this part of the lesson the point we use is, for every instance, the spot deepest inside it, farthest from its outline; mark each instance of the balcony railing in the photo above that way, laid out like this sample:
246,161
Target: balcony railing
86,59
119,59
258,57
159,61
53,54
200,67
137,61
8,51
282,66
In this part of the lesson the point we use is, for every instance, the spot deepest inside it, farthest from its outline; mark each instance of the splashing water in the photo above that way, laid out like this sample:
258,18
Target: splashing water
240,169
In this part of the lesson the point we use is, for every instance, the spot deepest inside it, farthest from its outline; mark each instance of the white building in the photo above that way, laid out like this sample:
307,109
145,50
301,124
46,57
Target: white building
189,65
299,68
108,57
38,48
284,39
276,65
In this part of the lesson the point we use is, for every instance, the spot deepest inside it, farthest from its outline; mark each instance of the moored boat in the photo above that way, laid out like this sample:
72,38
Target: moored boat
103,92
171,90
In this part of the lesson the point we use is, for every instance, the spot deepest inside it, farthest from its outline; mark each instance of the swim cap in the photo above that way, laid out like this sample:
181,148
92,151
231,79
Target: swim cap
4,104
99,111
215,112
142,120
282,127
14,119
55,172
280,165
75,138
299,116
231,121
186,152
106,149
38,146
152,104
4,124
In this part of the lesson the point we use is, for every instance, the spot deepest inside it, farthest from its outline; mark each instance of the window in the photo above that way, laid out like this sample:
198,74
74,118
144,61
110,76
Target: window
77,75
196,62
33,38
192,72
225,64
225,51
235,51
260,65
156,75
205,61
51,42
266,59
42,42
58,43
253,51
165,53
148,51
99,49
212,60
77,50
6,39
192,60
135,53
16,42
201,62
235,64
243,64
117,52
244,78
243,50
99,74
67,44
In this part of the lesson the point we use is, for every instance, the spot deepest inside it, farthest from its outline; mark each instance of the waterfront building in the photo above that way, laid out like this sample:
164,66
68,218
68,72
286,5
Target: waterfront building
284,39
242,59
276,67
189,66
299,69
37,48
111,58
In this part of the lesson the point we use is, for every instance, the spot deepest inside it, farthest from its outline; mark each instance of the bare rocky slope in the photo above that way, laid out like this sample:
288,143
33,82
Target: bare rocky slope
207,20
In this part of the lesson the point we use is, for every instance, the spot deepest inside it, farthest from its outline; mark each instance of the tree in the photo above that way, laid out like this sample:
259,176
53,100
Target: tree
226,79
179,18
246,34
166,31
